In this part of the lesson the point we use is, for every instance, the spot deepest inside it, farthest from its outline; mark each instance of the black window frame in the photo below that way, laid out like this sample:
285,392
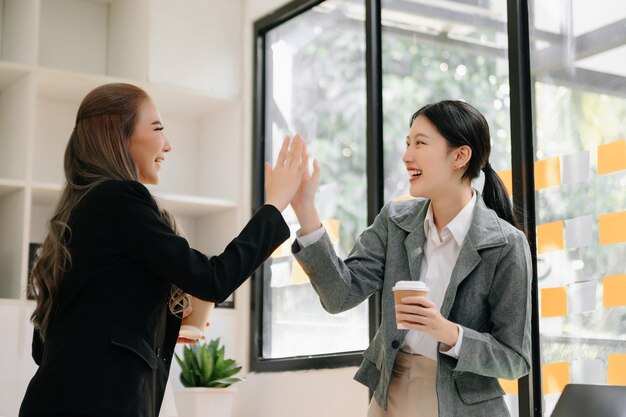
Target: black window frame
522,151
374,193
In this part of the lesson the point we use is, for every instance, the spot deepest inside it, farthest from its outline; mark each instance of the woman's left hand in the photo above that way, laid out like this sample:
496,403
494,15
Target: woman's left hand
421,314
187,312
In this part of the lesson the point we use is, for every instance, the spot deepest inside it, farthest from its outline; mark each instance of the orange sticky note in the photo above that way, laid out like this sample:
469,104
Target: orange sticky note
332,228
616,374
553,302
612,228
509,386
555,377
547,173
550,237
614,293
612,157
403,198
507,179
298,276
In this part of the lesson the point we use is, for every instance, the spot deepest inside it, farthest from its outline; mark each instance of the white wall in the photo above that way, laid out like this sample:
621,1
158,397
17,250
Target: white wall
328,393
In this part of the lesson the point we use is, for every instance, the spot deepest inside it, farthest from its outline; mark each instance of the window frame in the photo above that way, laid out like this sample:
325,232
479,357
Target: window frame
374,169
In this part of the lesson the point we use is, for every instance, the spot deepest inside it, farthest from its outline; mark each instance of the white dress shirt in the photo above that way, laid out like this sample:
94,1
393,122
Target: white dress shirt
440,256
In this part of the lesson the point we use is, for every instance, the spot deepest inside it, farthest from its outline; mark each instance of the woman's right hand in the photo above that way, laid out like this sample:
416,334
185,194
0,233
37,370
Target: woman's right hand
282,182
305,196
303,202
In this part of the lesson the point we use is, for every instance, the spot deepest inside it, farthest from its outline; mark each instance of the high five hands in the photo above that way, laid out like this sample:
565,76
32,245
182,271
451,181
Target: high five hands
290,180
282,182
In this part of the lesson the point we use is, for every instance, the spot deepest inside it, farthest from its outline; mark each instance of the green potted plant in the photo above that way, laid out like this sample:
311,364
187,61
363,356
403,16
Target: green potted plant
207,377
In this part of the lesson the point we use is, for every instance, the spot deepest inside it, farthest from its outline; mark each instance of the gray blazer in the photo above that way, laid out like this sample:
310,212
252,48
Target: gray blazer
488,295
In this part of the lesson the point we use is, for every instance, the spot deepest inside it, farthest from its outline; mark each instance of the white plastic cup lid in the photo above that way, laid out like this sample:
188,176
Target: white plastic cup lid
410,286
190,332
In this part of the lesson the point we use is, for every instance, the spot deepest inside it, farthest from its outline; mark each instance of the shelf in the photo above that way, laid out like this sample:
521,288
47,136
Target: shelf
11,242
10,72
54,121
73,87
182,101
69,86
193,46
179,205
10,302
191,206
46,193
18,30
15,119
96,37
8,186
40,215
60,46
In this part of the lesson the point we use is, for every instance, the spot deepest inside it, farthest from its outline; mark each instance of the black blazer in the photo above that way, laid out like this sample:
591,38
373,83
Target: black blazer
109,347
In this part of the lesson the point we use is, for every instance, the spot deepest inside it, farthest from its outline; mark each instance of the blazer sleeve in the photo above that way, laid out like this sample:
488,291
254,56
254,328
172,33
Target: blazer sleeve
504,351
148,240
344,284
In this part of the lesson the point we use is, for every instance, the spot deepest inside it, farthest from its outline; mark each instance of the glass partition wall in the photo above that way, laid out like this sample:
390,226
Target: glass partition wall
550,79
580,180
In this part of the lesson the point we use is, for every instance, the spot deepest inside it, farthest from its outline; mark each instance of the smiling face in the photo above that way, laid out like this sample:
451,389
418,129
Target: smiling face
434,168
147,144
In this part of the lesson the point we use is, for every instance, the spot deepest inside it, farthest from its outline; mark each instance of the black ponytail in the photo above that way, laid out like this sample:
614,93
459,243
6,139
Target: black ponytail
462,125
496,197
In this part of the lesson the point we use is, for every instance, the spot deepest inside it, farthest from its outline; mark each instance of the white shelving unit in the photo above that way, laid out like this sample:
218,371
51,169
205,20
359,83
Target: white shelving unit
95,37
18,31
12,210
187,56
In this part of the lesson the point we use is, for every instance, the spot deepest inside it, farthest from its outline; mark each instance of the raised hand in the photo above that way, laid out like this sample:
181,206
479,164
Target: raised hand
282,182
305,196
303,202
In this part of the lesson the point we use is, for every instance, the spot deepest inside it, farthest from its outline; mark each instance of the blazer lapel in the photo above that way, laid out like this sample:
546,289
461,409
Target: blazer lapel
414,242
484,233
468,259
413,245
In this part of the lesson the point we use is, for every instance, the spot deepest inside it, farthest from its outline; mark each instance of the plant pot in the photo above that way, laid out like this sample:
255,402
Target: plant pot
195,402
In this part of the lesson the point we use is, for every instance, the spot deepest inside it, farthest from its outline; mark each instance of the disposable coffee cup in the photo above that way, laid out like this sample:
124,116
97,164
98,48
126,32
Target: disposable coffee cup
408,289
193,325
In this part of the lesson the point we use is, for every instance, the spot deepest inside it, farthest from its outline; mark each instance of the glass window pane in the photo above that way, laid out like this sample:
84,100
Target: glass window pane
434,51
315,83
579,82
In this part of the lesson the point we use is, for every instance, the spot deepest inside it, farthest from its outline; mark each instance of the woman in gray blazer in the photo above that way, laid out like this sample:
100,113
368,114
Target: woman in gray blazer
474,325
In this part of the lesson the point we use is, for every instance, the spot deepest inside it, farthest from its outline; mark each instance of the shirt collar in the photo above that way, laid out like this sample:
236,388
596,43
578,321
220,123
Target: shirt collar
458,227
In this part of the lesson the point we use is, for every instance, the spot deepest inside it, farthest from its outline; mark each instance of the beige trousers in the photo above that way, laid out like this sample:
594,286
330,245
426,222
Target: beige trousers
412,391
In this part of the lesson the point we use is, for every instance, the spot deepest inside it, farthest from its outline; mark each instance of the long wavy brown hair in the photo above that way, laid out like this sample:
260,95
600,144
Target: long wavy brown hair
97,151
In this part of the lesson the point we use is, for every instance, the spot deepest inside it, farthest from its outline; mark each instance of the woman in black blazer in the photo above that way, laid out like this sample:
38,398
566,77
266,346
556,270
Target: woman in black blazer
112,276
